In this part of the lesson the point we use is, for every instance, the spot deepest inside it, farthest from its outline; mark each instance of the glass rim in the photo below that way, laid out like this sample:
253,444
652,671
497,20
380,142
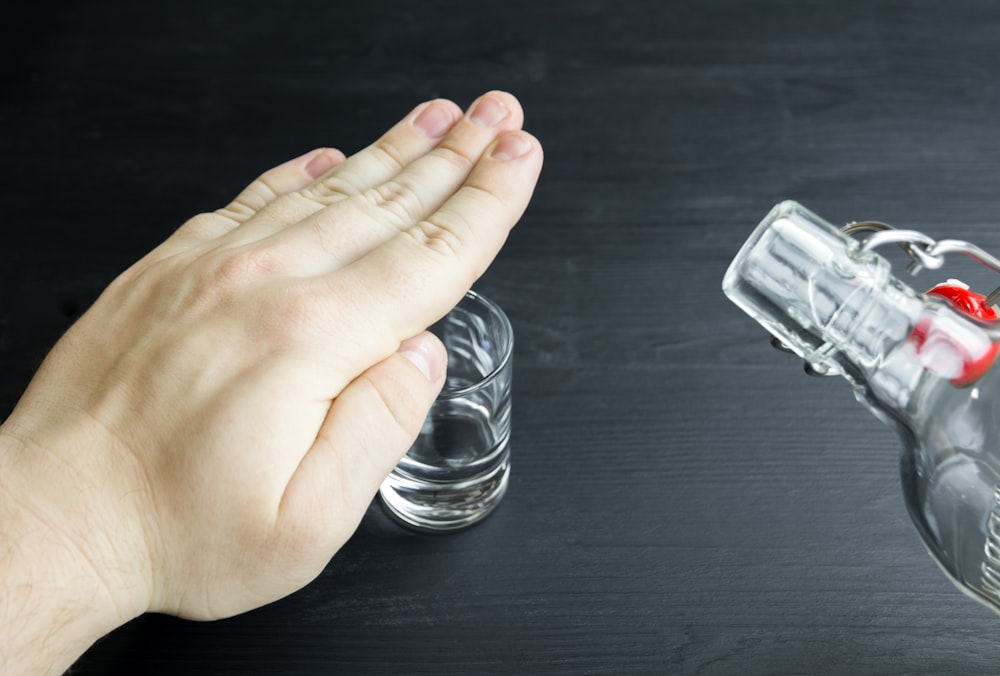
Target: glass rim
496,310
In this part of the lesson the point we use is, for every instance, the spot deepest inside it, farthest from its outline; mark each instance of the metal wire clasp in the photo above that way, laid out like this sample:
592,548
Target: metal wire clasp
925,252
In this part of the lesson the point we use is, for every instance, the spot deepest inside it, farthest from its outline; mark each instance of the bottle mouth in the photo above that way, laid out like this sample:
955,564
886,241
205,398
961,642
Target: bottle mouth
773,277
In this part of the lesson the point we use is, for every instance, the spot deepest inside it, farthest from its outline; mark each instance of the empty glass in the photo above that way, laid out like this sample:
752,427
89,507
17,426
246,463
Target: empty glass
456,471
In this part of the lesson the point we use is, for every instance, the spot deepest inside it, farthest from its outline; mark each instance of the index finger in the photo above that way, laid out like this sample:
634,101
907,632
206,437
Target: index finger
414,278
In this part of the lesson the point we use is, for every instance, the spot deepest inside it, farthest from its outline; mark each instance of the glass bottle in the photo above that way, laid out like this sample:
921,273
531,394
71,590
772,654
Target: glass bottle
918,361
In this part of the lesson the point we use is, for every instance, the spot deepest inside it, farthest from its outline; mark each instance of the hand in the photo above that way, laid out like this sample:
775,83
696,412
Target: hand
211,431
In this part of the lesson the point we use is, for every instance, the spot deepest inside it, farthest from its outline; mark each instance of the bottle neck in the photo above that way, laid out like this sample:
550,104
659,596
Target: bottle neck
809,284
840,308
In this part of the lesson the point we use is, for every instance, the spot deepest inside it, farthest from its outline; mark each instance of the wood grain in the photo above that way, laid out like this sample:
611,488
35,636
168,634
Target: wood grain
683,499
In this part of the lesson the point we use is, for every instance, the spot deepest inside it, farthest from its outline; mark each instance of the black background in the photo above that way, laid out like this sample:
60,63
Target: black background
683,499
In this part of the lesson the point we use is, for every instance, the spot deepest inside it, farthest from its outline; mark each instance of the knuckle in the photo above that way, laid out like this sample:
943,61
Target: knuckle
245,265
263,189
397,197
235,213
389,154
486,197
404,411
439,235
330,190
454,156
206,224
288,209
254,197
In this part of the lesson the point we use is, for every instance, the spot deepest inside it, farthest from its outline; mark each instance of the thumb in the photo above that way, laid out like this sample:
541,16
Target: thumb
371,424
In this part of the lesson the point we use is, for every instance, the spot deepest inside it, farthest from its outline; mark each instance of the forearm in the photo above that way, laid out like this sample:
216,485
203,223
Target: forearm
55,601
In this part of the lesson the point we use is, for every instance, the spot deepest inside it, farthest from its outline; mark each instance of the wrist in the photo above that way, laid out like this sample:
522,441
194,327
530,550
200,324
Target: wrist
66,582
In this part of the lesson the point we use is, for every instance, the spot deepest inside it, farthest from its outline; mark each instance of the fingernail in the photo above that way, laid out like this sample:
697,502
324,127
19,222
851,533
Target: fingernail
321,163
434,120
418,360
488,111
510,146
424,352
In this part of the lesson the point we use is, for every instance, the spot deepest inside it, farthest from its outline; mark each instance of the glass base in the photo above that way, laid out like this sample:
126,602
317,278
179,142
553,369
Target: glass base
440,507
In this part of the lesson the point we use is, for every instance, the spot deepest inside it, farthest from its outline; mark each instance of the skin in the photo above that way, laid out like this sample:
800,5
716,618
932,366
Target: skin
205,438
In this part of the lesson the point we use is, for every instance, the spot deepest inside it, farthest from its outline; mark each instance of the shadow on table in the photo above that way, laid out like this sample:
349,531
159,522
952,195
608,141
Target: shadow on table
379,585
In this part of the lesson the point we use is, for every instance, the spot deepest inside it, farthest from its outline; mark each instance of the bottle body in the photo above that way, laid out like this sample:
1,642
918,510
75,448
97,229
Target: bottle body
914,360
950,472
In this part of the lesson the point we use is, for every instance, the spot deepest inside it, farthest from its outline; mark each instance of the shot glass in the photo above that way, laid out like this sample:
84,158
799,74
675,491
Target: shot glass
456,471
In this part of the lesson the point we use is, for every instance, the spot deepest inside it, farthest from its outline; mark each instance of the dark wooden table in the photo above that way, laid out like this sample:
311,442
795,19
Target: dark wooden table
683,499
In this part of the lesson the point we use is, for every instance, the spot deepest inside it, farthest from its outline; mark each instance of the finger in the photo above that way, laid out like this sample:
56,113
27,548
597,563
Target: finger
285,178
371,424
348,229
414,278
410,138
415,135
